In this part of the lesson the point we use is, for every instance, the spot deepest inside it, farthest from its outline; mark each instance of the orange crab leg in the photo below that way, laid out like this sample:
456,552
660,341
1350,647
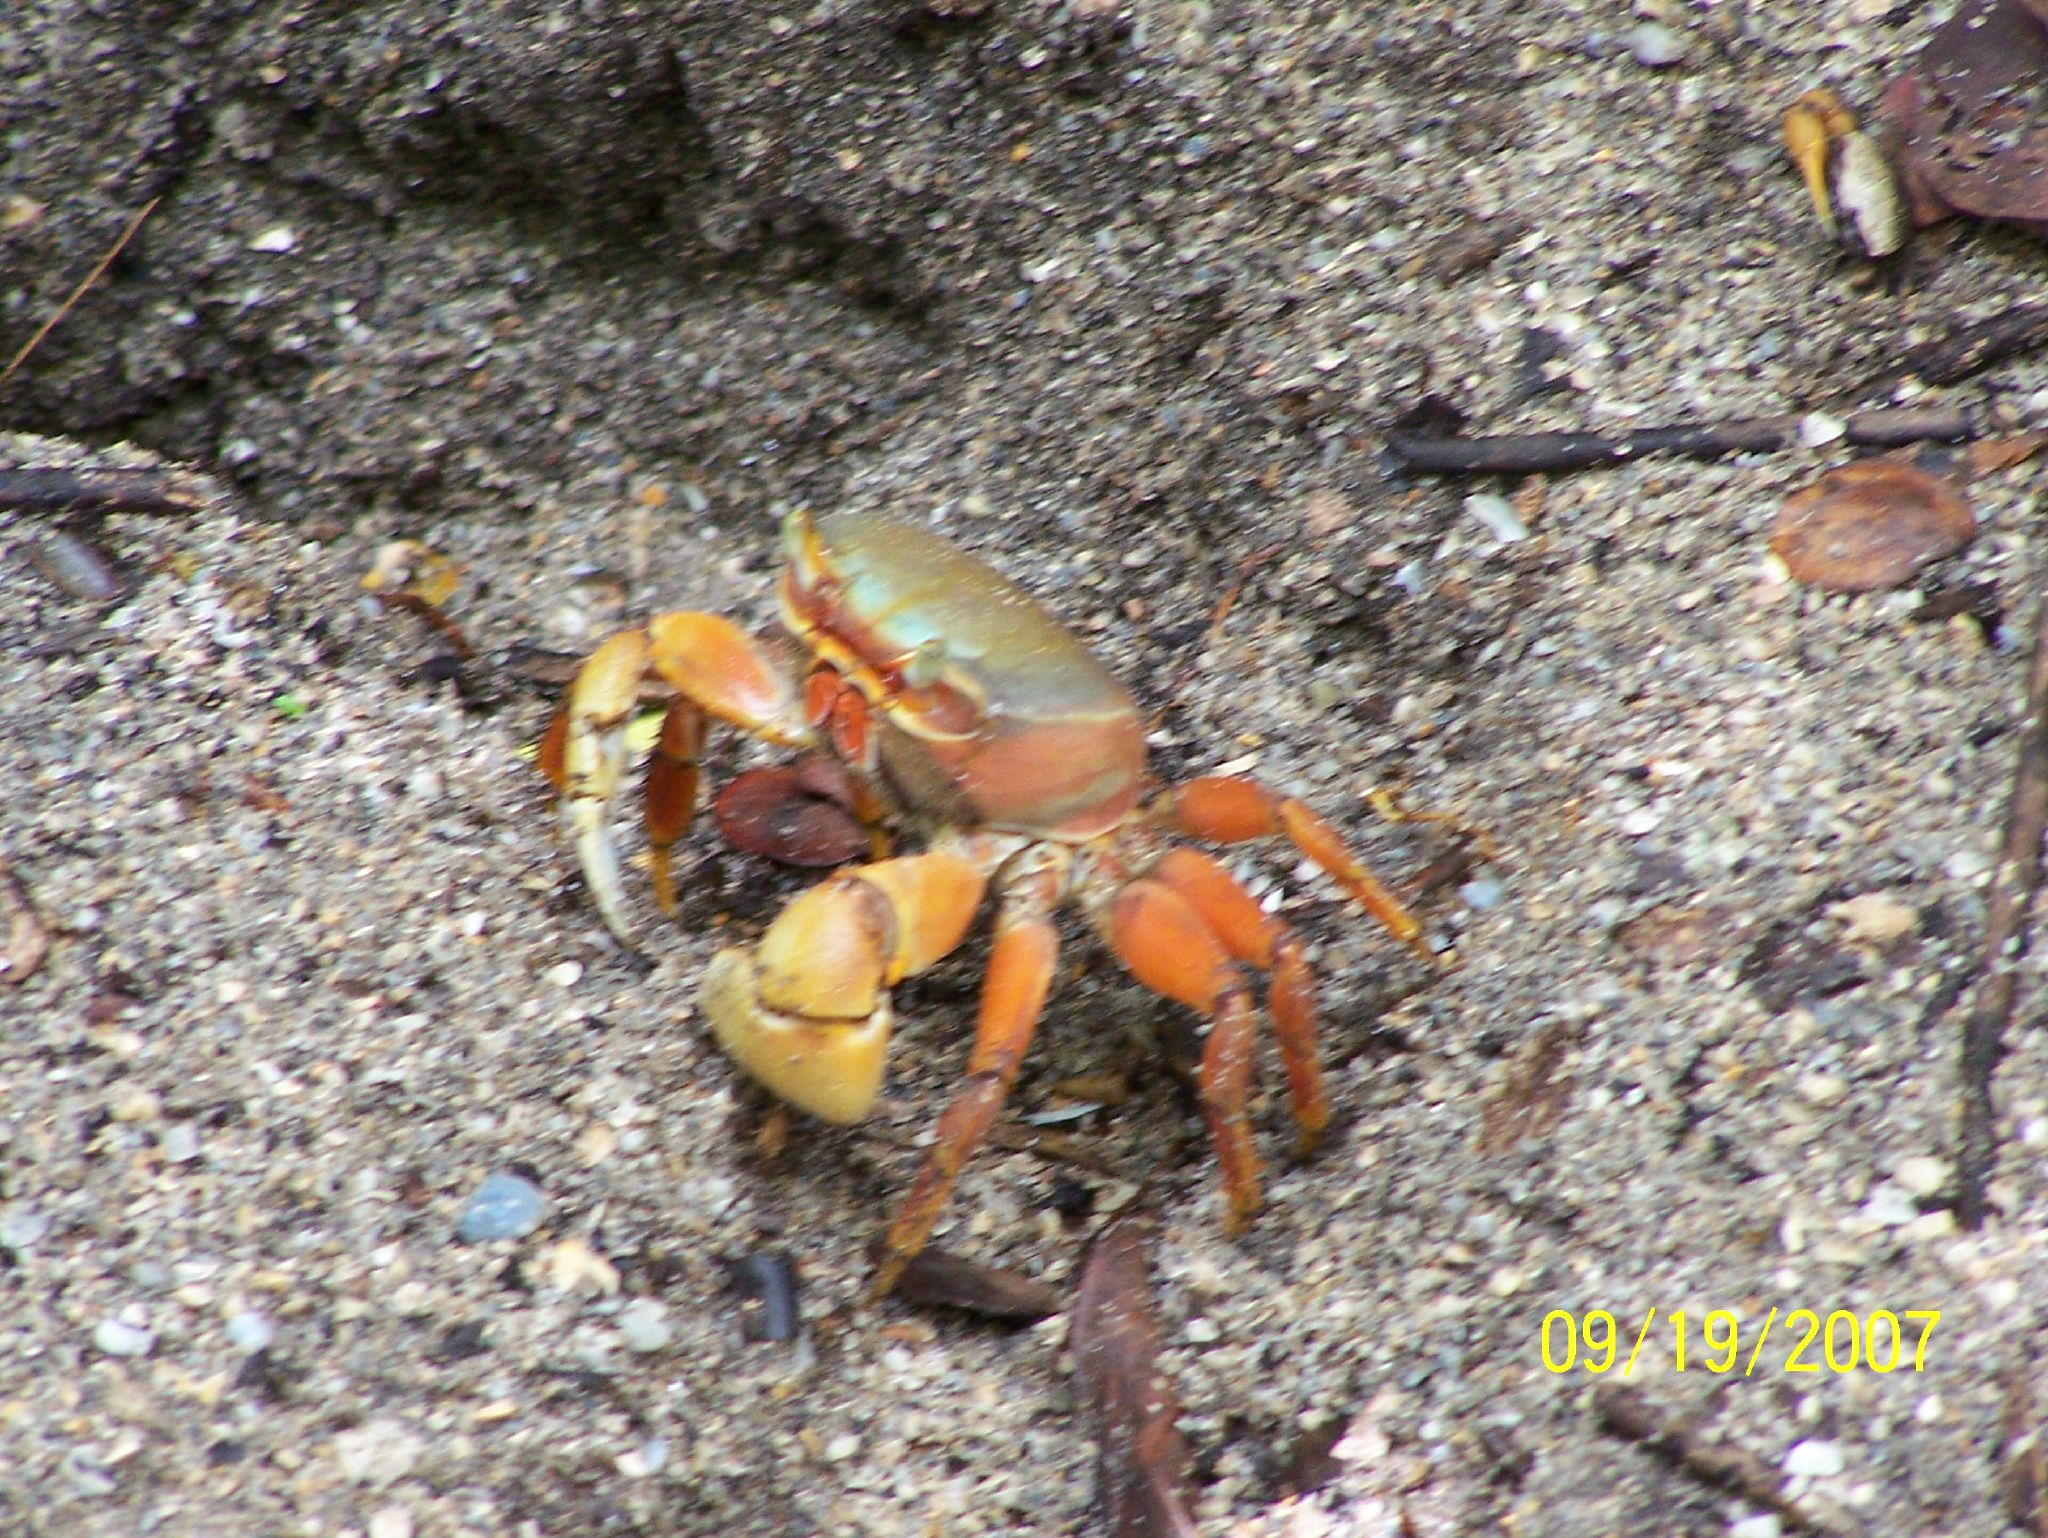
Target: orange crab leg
1227,810
1255,937
1012,998
1171,948
671,796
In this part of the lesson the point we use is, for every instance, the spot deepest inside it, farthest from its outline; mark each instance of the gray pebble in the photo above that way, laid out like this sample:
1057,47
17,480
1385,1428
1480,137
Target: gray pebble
87,1473
250,1331
22,1227
179,1143
505,1206
1655,45
117,1339
1483,893
643,1327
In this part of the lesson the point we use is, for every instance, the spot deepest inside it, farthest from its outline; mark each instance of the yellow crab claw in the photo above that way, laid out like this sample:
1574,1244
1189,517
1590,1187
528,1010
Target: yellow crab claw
831,1068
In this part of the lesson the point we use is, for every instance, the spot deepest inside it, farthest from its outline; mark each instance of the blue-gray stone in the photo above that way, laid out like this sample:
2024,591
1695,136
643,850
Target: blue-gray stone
505,1206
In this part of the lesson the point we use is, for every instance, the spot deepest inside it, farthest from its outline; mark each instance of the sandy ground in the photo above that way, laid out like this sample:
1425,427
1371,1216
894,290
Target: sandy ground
1118,296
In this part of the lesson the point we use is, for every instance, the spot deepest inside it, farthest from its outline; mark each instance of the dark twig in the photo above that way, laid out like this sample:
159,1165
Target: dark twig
2007,907
1529,453
101,489
1975,347
78,293
1627,1413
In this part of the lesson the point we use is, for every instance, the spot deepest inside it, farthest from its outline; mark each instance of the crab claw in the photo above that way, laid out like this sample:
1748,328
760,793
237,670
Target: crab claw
807,1010
831,1068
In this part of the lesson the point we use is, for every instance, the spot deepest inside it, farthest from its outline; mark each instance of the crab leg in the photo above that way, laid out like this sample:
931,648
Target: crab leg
806,1011
1171,948
1012,997
1226,810
1258,939
719,671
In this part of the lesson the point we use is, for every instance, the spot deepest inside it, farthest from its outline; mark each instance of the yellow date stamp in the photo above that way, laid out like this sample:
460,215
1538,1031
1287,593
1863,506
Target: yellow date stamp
1720,1341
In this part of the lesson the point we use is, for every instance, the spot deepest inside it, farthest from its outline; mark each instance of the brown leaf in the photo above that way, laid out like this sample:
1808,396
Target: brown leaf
1142,1457
1869,525
1668,935
28,938
1972,123
2023,1471
936,1276
1533,1096
1988,456
800,815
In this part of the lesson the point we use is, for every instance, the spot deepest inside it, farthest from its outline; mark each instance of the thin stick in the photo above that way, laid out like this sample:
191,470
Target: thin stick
78,293
1626,1413
2006,910
101,489
1530,453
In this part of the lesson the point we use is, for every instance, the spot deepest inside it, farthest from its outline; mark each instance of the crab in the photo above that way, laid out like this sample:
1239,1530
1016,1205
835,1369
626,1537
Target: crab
964,712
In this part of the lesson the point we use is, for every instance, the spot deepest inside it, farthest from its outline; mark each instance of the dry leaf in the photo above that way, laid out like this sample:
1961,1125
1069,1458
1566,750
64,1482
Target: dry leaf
1533,1096
1142,1457
1668,935
1874,918
800,815
1870,525
936,1276
1988,456
28,938
1972,121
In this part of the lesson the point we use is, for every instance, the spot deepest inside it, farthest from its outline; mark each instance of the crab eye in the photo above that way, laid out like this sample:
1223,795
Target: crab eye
926,665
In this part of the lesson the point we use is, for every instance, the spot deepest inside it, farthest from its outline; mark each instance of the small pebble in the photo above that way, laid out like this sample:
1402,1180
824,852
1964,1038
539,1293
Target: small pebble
118,1339
565,974
1762,1525
648,1458
1816,1460
1890,1206
1922,1174
1483,894
1640,822
1655,46
87,1473
250,1331
1498,514
1202,1331
505,1206
1822,1089
22,1227
379,1452
644,1326
391,1522
179,1143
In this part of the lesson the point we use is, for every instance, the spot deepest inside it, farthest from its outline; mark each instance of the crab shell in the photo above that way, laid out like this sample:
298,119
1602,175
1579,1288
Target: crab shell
989,712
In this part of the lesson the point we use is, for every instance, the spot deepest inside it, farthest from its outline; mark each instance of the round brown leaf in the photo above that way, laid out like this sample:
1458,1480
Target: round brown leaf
1870,525
800,816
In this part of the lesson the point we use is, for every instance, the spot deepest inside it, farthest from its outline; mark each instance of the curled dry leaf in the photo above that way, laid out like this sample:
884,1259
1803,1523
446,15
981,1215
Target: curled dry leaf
1870,525
939,1277
1142,1456
1532,1097
28,938
800,815
407,566
1972,119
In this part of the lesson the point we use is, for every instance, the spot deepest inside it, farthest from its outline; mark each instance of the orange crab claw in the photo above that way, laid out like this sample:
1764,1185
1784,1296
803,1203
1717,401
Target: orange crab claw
718,671
806,1011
